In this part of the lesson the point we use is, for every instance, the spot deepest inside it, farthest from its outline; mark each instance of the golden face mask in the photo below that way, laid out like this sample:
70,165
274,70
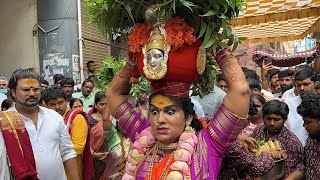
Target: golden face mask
155,56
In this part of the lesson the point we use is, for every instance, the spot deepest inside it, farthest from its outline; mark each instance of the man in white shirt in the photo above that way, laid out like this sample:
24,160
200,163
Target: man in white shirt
289,94
51,144
305,84
4,168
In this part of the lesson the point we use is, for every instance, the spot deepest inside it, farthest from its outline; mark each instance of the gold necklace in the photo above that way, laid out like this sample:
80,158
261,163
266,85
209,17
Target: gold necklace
164,173
123,156
144,158
153,157
167,146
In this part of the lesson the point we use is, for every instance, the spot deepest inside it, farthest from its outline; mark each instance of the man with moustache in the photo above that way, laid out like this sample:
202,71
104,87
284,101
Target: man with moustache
50,141
286,80
310,111
67,85
292,93
86,95
305,85
78,128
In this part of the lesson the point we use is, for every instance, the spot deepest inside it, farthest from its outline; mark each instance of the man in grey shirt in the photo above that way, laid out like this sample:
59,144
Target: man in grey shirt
211,102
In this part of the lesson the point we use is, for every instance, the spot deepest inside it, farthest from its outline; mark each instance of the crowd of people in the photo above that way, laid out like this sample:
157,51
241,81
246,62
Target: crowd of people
67,131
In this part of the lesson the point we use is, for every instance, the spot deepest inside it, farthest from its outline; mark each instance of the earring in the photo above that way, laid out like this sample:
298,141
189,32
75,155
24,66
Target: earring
188,128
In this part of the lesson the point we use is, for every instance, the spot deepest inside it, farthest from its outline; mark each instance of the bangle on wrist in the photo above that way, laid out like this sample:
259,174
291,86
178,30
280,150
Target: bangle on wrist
223,55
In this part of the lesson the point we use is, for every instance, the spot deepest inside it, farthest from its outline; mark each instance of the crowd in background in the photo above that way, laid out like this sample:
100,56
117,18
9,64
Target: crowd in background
284,107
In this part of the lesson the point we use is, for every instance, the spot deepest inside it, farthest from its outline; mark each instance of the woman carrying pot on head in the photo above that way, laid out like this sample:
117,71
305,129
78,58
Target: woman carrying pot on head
165,145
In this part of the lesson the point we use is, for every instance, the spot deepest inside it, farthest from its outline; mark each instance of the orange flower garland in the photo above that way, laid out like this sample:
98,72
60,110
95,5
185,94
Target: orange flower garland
179,32
139,36
202,121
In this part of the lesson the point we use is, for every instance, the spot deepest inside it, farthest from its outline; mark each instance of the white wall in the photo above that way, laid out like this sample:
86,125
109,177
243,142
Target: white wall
18,47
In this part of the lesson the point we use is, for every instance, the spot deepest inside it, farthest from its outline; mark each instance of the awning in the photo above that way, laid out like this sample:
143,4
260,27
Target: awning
285,59
277,20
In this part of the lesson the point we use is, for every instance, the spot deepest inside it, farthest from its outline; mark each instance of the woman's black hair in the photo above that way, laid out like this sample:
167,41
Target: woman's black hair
6,104
252,108
187,107
73,101
97,98
259,98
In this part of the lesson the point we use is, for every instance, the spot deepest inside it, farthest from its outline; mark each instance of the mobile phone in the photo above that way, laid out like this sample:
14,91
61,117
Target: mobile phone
267,61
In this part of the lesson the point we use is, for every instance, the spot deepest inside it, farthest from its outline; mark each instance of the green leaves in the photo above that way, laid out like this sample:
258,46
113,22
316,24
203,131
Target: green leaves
205,83
142,87
203,27
188,4
104,75
209,13
108,69
208,17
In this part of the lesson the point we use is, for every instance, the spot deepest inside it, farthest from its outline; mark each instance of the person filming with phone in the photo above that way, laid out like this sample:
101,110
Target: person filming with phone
267,70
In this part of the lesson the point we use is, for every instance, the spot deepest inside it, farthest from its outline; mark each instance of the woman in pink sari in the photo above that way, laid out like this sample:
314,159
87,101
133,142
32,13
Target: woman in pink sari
165,147
98,143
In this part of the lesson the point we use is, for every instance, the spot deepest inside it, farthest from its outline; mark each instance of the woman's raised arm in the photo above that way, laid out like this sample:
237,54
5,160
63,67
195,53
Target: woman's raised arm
237,100
119,87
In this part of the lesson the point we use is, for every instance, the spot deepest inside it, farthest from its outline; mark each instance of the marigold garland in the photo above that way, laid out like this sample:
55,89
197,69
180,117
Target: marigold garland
182,155
179,32
202,121
139,36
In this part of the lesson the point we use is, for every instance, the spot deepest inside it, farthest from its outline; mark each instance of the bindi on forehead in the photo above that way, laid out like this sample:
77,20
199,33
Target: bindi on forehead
77,103
160,101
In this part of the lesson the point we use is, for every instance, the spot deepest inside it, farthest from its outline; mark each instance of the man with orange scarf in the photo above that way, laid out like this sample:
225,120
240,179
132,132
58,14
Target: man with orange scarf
35,137
78,128
15,143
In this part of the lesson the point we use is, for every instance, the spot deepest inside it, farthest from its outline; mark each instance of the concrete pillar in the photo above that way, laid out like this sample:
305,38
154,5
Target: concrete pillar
58,39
